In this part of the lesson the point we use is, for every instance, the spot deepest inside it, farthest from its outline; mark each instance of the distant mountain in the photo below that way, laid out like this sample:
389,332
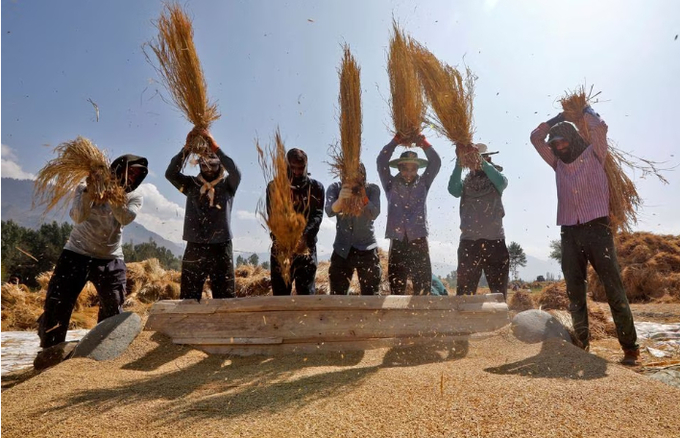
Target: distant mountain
17,196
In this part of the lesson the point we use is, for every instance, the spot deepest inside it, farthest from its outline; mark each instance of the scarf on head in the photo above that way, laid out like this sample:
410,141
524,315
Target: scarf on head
577,144
209,188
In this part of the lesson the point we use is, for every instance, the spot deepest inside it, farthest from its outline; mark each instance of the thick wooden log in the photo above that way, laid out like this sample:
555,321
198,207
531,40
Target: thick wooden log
304,323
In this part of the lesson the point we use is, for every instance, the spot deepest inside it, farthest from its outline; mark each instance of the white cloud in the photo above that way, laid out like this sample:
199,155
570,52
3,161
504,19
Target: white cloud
160,215
247,215
10,167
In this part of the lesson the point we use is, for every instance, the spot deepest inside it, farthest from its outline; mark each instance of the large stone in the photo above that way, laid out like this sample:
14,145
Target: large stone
53,355
109,339
535,325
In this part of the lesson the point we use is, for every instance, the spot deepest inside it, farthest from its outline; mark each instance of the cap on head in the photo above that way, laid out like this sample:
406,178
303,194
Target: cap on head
408,157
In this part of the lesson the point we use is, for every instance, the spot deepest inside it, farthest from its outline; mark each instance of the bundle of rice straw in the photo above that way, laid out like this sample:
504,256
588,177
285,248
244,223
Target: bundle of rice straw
181,73
408,108
623,196
283,222
77,160
345,161
451,99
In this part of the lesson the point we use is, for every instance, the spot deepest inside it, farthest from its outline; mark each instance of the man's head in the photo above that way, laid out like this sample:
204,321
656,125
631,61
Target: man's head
130,171
297,165
408,164
566,142
211,167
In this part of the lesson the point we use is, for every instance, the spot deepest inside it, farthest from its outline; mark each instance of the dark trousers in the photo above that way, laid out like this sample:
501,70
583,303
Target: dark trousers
302,272
593,242
203,260
475,256
71,273
410,259
367,265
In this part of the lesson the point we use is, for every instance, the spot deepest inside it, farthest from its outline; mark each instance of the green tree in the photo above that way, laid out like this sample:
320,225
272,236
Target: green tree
452,279
556,250
151,250
254,259
240,260
265,265
517,258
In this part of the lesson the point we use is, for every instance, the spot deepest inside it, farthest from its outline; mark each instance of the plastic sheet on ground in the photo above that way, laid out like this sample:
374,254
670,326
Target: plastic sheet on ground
20,348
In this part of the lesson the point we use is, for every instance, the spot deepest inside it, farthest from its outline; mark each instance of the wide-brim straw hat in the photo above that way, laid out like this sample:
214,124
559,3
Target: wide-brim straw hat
483,149
409,157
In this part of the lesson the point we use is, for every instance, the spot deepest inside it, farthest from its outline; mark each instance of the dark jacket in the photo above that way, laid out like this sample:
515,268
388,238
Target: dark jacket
203,223
308,197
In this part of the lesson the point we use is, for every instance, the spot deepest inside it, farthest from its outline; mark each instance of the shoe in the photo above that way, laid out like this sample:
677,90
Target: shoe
49,357
631,358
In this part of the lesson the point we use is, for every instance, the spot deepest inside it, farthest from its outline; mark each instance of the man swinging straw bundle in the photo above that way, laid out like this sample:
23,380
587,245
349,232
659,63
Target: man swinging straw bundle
408,108
451,99
284,223
181,73
77,160
346,162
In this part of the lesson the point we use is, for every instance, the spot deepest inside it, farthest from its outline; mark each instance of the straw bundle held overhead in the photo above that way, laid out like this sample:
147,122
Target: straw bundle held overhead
345,162
181,73
408,108
77,160
451,99
623,196
283,222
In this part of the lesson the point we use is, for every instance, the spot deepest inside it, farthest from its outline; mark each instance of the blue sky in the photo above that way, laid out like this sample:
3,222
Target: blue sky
274,64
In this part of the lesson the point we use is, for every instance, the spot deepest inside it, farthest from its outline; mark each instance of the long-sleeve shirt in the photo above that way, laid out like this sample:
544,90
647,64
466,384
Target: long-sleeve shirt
354,231
406,203
308,199
481,206
204,223
582,187
98,229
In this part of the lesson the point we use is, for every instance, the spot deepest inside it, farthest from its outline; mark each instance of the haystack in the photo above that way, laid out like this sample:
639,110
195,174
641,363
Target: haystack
252,281
408,108
650,267
450,97
180,71
345,163
521,301
280,217
554,297
76,161
20,307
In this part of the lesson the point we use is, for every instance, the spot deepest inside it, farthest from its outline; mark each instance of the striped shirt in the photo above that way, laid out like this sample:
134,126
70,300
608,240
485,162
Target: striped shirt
582,187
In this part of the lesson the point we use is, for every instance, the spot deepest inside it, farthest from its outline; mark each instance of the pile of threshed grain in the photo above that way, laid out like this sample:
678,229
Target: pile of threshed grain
496,387
345,163
180,71
77,160
406,104
650,267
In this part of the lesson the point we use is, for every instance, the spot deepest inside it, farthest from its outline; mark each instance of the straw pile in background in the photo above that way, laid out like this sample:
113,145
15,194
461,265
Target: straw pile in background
280,217
650,267
345,161
76,161
521,301
408,108
450,97
181,73
252,281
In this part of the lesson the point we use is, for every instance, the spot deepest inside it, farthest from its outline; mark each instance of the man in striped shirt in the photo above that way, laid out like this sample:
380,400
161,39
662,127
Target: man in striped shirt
583,214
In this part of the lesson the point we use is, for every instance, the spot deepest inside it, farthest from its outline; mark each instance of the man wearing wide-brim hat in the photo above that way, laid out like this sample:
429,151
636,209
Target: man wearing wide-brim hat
406,194
482,238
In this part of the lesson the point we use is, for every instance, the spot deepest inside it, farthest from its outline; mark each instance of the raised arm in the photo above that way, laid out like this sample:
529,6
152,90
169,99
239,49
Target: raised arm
456,181
497,178
128,212
332,195
372,208
434,162
82,203
538,136
383,162
174,173
598,132
234,178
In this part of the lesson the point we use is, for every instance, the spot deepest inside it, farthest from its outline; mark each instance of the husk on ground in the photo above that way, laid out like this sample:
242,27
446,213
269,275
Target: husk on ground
76,160
450,97
624,199
283,222
345,161
407,106
180,71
